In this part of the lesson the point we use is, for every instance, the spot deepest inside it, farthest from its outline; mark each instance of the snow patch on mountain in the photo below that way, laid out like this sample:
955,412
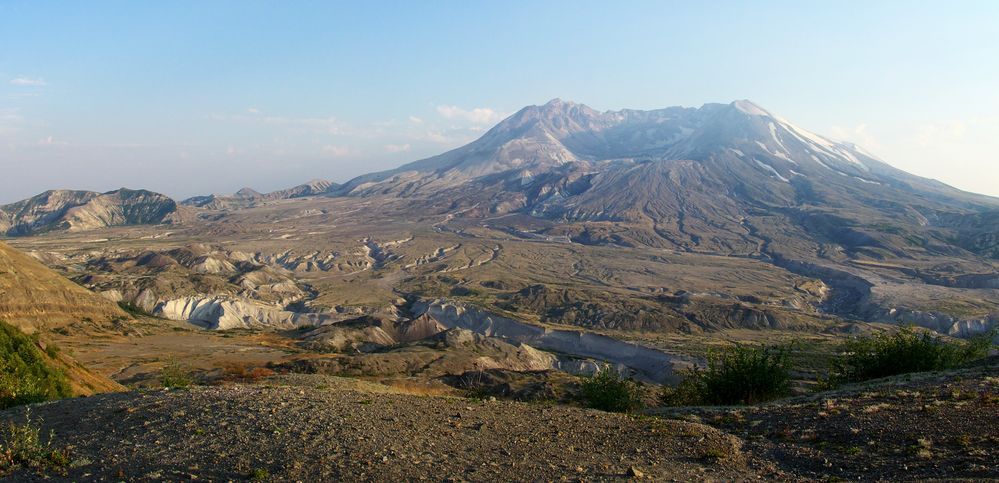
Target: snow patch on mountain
750,108
771,170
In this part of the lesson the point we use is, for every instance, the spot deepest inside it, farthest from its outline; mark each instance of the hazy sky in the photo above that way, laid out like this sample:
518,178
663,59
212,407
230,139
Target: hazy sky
197,97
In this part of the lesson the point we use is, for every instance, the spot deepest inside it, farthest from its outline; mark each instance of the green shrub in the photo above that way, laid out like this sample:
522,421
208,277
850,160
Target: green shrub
133,310
52,350
259,474
739,375
21,446
608,391
25,376
175,376
903,352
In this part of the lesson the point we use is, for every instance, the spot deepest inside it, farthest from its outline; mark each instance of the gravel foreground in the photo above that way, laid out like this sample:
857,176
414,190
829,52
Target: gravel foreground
927,427
316,428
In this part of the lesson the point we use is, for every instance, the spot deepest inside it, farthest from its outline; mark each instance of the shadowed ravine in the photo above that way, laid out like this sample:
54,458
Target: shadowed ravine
648,364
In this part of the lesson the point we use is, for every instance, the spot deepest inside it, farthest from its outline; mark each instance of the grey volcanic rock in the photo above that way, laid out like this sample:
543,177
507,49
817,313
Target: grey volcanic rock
223,313
644,363
84,210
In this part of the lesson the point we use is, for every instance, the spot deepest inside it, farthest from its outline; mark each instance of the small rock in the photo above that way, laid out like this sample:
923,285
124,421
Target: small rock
635,473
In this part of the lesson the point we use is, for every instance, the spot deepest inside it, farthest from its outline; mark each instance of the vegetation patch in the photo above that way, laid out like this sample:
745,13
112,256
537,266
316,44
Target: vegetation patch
739,375
22,446
134,310
903,352
259,474
608,391
175,376
25,375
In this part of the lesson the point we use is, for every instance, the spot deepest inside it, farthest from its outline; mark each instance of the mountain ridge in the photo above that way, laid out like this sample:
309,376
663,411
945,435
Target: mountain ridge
77,210
247,197
693,178
565,132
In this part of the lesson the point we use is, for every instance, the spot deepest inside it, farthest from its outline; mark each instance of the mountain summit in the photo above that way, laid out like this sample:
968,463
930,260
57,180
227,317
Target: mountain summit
742,136
692,178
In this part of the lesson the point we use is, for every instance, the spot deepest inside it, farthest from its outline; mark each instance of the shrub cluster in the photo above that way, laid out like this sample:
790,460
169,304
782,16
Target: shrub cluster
609,391
175,376
755,374
134,310
21,446
740,375
903,352
25,375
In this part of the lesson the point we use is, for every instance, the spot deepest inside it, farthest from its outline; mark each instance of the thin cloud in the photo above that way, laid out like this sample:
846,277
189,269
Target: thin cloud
337,151
9,114
330,125
27,81
941,132
858,135
397,148
10,120
478,115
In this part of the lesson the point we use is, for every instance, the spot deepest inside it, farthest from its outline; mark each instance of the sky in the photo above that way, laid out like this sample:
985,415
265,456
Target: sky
193,97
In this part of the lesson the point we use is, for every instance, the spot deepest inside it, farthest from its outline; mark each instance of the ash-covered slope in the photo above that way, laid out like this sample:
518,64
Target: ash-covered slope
84,210
691,176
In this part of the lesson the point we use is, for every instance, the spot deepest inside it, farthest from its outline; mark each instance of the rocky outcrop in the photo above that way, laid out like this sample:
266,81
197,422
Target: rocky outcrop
951,325
365,334
644,363
85,210
222,313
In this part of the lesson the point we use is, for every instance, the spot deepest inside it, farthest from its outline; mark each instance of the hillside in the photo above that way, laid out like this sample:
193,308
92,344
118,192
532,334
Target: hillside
248,197
67,210
36,300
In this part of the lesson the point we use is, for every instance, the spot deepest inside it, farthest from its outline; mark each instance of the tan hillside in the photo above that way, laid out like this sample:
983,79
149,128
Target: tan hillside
33,297
83,381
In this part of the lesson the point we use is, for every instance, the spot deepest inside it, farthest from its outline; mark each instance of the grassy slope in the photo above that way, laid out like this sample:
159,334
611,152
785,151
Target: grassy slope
35,299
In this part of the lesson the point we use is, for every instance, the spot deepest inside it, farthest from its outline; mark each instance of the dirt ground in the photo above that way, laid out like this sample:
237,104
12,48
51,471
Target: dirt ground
318,428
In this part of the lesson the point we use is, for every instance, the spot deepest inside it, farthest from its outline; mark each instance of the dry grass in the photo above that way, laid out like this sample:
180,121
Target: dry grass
418,387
